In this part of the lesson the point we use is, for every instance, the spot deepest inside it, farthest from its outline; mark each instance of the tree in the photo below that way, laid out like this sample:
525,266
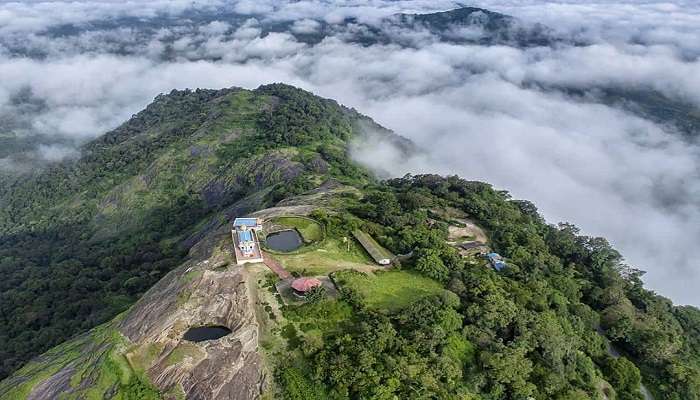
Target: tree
428,262
316,294
509,370
624,376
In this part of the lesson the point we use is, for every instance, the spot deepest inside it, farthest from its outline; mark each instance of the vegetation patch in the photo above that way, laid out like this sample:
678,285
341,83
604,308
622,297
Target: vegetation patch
298,386
191,276
331,255
98,367
325,315
388,290
142,357
182,351
40,369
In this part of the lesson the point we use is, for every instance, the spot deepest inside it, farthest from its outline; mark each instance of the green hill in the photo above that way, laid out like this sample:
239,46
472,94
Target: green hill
143,215
81,241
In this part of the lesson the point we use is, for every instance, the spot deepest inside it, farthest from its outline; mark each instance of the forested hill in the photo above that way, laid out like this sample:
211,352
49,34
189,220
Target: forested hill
82,241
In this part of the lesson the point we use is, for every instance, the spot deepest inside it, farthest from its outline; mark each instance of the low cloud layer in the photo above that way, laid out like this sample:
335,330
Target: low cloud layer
528,120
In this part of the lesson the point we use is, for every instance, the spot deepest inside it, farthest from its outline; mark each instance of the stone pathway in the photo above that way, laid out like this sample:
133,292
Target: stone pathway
275,266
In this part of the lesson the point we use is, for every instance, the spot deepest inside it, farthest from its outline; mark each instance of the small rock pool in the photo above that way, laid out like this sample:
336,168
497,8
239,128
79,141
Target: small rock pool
287,240
203,333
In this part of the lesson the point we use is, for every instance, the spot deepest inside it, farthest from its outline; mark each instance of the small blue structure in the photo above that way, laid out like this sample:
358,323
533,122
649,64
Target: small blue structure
253,223
496,261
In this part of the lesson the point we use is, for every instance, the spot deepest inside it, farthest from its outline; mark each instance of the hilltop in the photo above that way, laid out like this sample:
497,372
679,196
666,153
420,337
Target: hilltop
115,256
82,240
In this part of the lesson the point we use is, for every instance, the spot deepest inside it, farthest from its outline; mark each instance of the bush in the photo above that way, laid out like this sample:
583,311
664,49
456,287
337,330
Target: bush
316,294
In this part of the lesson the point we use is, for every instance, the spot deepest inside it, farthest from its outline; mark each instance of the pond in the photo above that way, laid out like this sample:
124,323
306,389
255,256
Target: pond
288,240
202,333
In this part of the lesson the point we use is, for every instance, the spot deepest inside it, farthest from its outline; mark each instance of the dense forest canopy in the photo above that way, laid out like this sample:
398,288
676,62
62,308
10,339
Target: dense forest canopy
536,329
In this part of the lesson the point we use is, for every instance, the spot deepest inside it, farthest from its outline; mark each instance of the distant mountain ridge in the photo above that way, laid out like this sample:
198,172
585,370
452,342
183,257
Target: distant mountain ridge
460,26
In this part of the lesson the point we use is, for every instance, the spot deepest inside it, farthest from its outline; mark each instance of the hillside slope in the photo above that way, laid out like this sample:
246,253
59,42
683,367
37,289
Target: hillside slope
81,241
566,318
141,352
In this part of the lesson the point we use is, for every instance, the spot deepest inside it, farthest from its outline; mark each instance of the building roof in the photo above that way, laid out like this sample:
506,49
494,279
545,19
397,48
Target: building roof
245,236
245,221
305,284
378,253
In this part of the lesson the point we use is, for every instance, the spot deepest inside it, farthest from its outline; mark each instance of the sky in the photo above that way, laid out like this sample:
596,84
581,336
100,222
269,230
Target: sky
490,113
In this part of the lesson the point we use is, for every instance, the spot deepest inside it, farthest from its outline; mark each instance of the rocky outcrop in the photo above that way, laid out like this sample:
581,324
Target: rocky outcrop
145,345
210,292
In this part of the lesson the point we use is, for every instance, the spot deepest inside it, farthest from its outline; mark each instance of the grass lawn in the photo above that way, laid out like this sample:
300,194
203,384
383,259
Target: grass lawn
331,255
390,290
309,229
325,316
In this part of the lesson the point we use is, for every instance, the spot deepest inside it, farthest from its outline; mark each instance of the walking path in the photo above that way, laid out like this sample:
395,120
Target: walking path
275,266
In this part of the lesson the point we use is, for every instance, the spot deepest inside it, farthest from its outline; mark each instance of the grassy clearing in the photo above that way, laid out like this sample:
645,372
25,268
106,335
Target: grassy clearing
310,230
331,255
325,316
389,290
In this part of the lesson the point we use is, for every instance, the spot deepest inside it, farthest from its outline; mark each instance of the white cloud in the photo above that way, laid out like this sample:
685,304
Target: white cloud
673,23
56,152
36,15
306,26
478,111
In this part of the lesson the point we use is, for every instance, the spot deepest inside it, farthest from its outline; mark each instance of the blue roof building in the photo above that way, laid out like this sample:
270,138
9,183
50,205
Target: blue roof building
496,261
249,222
244,234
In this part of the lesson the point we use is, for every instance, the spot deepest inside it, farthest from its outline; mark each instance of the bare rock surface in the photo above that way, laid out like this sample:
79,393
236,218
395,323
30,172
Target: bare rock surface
55,385
146,341
208,291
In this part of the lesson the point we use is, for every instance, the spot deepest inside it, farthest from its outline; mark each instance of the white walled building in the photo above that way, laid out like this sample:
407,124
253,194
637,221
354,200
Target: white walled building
245,240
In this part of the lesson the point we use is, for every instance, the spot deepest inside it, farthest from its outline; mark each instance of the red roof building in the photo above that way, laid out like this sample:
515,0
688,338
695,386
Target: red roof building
303,285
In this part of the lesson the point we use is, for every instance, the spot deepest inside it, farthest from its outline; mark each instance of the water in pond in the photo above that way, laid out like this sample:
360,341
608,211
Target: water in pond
288,240
202,333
